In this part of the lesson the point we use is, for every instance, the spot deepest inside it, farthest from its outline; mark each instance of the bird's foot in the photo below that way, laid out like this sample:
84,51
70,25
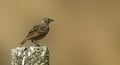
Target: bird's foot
39,44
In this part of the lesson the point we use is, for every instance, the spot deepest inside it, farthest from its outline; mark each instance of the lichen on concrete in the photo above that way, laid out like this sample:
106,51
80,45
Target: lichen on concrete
33,55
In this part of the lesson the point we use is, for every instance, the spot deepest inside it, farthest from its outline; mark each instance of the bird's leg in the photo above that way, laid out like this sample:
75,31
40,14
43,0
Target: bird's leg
35,42
41,42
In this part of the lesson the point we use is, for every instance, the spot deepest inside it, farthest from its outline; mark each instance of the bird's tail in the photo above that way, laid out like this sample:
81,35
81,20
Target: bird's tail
23,41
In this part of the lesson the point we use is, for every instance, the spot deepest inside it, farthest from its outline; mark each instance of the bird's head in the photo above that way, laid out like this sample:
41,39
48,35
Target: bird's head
47,20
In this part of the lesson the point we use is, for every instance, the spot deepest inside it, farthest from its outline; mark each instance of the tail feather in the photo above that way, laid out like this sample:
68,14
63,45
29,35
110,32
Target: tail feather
23,42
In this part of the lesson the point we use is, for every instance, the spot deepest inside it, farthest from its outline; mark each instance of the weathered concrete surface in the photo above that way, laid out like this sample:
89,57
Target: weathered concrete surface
33,55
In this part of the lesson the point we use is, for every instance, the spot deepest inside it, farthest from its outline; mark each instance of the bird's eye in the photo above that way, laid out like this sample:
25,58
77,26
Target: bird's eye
46,21
43,27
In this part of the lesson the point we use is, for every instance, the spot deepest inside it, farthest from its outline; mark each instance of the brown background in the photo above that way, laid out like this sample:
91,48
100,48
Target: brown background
85,32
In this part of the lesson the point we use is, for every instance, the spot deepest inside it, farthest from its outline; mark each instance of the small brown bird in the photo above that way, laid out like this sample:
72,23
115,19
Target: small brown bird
38,32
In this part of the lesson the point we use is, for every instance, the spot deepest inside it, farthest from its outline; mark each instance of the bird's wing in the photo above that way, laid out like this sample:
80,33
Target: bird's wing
33,31
35,28
36,31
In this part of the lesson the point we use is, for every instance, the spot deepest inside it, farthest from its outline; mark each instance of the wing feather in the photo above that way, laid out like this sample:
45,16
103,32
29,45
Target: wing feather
33,31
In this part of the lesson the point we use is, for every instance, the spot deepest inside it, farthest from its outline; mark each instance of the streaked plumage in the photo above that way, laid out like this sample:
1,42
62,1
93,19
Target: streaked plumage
38,32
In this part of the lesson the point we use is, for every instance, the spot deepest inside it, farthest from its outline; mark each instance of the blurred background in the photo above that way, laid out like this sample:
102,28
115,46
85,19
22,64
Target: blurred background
85,32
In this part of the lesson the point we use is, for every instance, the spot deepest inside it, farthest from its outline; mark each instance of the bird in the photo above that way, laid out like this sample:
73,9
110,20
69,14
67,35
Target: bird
38,32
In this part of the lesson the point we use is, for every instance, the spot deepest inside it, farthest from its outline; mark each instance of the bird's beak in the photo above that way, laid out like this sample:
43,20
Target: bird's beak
51,20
